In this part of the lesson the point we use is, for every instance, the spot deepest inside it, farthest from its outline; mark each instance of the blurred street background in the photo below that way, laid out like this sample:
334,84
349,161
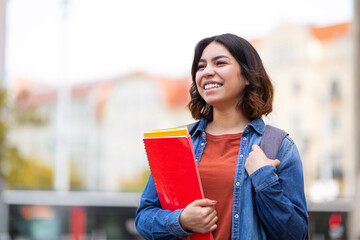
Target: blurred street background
80,81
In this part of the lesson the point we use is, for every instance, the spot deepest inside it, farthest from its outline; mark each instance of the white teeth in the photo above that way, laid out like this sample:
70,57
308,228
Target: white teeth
211,85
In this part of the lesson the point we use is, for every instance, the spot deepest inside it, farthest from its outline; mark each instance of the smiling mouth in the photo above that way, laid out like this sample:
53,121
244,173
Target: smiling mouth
212,85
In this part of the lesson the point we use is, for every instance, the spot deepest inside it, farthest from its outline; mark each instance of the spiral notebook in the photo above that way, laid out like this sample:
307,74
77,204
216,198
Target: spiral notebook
173,167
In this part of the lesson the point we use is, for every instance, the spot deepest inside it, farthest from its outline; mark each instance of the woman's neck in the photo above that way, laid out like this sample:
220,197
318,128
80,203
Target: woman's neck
227,122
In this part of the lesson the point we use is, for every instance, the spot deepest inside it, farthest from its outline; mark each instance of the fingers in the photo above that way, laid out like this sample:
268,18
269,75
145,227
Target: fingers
257,159
255,147
256,150
199,216
211,225
209,222
207,207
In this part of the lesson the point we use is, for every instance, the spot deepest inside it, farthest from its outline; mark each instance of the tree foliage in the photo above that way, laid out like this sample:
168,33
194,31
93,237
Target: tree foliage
16,170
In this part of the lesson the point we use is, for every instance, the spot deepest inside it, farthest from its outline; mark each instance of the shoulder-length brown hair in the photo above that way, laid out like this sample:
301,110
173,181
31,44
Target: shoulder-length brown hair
258,95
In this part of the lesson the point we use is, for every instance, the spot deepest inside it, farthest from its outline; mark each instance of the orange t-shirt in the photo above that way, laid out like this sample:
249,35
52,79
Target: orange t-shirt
217,170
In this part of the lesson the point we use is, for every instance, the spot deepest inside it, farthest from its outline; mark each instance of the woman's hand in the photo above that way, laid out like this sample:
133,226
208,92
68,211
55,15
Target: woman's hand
257,159
199,216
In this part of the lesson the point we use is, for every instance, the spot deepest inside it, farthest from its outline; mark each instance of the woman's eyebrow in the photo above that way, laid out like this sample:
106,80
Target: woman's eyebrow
218,57
215,58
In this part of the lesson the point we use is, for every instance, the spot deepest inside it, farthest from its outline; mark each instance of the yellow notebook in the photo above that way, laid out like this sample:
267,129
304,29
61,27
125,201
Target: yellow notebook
167,132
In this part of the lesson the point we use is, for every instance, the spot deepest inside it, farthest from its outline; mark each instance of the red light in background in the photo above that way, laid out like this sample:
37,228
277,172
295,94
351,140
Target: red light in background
77,222
334,220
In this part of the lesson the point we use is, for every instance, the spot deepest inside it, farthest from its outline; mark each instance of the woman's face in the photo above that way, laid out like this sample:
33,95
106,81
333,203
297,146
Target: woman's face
218,78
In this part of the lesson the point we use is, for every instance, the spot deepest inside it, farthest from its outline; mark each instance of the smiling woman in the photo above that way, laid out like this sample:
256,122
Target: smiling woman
247,195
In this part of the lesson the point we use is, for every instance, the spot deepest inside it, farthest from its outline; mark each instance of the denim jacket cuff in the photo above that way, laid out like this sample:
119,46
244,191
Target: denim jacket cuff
263,177
173,224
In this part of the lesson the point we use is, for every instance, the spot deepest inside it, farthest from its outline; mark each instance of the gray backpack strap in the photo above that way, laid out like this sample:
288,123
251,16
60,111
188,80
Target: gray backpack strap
271,141
192,127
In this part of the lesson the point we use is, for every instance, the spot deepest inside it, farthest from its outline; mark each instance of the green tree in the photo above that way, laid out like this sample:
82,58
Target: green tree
16,170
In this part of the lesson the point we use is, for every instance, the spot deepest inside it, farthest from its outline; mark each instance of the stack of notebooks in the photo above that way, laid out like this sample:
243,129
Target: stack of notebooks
173,167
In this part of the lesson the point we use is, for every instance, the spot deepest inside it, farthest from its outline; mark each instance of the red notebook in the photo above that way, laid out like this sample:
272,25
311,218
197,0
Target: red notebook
173,167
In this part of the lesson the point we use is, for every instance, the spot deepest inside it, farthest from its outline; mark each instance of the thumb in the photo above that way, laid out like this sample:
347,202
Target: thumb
256,148
275,163
204,202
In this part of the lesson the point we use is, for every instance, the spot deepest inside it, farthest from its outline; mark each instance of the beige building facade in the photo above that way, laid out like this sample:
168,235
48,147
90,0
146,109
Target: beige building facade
312,71
105,127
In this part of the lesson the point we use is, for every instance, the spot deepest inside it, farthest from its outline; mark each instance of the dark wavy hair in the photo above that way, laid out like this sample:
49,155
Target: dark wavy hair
258,95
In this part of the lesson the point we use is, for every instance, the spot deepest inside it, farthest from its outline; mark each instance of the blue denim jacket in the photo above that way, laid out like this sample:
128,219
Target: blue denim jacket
268,204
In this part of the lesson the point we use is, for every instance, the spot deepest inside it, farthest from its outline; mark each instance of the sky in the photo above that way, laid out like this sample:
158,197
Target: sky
63,42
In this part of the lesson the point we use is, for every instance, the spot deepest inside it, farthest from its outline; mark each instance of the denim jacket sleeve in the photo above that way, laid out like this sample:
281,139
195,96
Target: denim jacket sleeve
153,222
279,195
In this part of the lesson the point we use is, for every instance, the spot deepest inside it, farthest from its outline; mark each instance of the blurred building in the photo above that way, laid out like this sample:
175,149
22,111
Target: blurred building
313,75
108,118
312,71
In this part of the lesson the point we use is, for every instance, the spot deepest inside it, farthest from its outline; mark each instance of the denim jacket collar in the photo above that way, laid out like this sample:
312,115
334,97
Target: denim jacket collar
257,124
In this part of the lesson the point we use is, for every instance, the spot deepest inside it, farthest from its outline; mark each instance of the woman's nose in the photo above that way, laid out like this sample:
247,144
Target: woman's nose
209,71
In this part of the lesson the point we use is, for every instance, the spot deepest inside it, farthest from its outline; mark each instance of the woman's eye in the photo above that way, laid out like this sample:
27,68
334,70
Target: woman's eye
200,67
220,63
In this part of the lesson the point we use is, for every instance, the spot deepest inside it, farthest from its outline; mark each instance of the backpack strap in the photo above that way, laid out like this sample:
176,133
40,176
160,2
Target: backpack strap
192,127
271,141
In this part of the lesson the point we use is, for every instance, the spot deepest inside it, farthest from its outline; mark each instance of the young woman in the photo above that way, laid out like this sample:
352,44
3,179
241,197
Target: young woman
248,196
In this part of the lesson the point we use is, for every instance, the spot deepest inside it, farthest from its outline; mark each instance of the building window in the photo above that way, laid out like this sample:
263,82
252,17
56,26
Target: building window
336,167
335,121
335,92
